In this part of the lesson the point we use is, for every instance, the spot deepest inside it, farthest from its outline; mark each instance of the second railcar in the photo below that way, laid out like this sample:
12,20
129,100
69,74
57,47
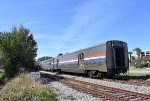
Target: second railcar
47,64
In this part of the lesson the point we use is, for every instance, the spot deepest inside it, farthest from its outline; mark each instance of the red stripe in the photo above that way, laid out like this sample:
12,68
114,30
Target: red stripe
96,55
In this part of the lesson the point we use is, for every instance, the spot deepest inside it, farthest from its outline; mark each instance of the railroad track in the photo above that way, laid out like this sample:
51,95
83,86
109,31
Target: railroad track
123,81
107,93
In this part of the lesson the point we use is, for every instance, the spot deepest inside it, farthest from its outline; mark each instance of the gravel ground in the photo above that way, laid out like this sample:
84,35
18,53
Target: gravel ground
133,88
68,94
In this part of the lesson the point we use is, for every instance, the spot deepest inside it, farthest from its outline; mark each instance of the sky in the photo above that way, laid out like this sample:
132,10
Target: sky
62,26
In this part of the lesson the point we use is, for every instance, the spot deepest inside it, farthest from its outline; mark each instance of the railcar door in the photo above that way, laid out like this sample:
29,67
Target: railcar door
53,64
119,56
81,60
57,65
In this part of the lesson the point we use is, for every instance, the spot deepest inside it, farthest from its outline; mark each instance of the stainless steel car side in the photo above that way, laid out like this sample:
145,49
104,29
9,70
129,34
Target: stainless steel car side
109,58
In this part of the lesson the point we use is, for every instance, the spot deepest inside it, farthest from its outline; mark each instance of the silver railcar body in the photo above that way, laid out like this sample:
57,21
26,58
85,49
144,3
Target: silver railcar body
110,58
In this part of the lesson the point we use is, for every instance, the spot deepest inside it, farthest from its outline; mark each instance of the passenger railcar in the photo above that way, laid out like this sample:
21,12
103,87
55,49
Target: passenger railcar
47,64
109,58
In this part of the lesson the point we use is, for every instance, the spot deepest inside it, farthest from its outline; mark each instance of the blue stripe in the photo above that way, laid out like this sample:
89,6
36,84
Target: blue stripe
74,62
92,60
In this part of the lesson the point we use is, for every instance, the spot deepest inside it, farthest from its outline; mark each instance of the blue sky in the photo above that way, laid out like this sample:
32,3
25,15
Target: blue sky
61,26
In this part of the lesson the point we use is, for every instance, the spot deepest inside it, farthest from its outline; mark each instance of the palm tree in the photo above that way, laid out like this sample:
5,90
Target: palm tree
60,54
138,52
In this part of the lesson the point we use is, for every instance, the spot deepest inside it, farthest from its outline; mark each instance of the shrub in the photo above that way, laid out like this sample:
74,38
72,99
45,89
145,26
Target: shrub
18,50
21,89
3,78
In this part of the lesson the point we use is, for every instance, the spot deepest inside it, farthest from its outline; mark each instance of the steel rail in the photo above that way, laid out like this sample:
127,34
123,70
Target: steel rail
129,93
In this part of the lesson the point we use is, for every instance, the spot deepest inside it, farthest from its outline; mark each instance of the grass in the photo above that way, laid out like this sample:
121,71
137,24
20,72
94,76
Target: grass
23,88
129,75
133,68
136,69
138,74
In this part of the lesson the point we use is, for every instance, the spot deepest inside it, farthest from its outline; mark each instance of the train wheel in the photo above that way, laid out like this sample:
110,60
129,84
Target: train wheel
90,74
59,71
98,75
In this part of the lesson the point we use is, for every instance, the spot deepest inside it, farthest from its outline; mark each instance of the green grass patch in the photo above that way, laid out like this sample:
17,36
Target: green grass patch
23,88
139,74
143,76
136,69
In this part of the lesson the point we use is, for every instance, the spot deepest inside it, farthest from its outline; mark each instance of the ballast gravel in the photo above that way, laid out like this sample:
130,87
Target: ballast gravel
65,93
128,87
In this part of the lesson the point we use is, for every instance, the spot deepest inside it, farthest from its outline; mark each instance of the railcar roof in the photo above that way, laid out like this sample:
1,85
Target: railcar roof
101,44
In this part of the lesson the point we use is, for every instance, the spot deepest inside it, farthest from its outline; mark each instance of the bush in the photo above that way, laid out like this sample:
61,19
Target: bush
3,78
136,63
21,89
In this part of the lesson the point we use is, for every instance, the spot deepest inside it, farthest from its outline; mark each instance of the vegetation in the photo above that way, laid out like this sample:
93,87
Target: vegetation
135,75
17,51
44,58
60,54
138,52
138,74
23,88
141,61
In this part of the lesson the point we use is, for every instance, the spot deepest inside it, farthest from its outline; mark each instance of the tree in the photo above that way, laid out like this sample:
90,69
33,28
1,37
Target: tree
60,54
44,58
18,50
138,52
142,54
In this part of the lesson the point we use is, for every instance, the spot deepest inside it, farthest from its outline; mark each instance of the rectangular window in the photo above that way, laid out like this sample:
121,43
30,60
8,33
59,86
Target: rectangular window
82,56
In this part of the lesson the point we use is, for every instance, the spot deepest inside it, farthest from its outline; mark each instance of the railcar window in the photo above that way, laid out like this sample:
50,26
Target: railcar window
79,57
82,56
